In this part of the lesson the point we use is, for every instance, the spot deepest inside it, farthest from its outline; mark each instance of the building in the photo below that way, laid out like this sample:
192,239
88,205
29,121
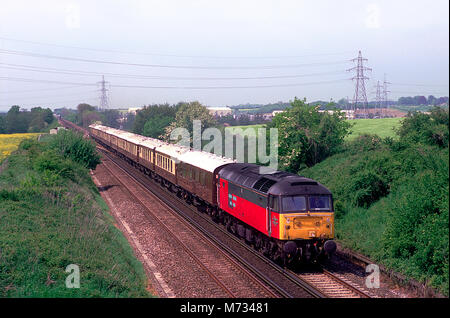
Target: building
133,110
220,111
349,114
275,112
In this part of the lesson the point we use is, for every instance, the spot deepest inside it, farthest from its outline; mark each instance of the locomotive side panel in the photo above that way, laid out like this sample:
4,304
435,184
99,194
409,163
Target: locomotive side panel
248,206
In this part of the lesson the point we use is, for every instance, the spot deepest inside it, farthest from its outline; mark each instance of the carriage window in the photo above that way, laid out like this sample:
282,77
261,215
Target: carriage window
294,204
202,178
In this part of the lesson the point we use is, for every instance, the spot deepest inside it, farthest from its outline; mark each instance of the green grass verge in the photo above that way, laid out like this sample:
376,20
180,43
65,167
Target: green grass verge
51,216
383,127
391,203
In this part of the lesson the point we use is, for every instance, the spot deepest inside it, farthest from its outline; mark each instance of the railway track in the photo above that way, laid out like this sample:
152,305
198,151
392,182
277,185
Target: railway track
274,291
319,284
332,285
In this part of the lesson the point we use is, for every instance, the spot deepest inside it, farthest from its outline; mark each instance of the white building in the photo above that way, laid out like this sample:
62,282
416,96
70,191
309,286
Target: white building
133,110
220,111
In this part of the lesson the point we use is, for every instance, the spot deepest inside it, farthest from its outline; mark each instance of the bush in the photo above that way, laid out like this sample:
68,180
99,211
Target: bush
432,129
50,161
367,187
391,202
72,145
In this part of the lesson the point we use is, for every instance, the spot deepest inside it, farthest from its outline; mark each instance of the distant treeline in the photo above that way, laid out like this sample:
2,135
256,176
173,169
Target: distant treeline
86,114
342,104
18,120
422,100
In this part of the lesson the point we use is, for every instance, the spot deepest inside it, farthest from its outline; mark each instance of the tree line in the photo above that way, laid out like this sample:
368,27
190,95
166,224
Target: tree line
86,115
18,120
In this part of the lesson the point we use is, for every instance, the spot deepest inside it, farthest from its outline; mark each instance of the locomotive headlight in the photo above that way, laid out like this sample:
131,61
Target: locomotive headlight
318,223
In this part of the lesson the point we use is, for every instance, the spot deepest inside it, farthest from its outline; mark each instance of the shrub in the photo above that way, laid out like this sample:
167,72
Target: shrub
367,187
50,161
72,145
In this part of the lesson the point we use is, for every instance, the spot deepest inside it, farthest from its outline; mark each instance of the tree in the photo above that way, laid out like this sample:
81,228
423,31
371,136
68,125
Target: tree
110,118
154,127
150,112
431,100
308,136
16,121
431,129
185,116
2,124
420,100
87,115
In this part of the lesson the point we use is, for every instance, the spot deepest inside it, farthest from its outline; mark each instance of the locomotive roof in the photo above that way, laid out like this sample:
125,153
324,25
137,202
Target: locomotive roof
274,182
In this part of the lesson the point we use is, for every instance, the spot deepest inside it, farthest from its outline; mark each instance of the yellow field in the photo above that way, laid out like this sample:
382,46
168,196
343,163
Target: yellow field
10,142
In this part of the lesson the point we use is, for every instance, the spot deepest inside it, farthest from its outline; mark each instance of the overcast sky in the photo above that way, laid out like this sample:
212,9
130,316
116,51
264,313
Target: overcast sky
53,52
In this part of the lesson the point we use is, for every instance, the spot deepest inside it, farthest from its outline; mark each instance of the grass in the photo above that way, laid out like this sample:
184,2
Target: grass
383,127
255,127
10,142
51,216
391,203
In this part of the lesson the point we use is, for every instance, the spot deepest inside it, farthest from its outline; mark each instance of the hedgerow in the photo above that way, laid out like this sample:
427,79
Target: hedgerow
391,197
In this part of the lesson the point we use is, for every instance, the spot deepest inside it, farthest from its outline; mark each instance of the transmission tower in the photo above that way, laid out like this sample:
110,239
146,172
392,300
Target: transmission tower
360,97
385,95
104,104
378,98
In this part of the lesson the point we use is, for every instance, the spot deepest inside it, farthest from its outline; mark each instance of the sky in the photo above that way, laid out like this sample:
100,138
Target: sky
53,53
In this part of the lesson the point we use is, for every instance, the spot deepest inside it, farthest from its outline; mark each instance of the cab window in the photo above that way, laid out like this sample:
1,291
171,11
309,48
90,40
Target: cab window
294,204
273,203
319,202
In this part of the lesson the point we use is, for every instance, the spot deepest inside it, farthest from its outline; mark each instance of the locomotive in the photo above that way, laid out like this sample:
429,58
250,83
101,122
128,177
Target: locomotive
289,218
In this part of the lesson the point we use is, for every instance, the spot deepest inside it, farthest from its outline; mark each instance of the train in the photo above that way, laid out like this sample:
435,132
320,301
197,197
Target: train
287,217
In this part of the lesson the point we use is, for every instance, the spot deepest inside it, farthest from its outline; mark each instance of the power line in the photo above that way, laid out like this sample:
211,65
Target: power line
22,67
425,85
48,96
43,89
63,102
233,87
23,53
29,80
174,87
172,55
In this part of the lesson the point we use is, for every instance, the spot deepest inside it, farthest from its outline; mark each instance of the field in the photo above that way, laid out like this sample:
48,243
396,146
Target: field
383,127
245,127
10,142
